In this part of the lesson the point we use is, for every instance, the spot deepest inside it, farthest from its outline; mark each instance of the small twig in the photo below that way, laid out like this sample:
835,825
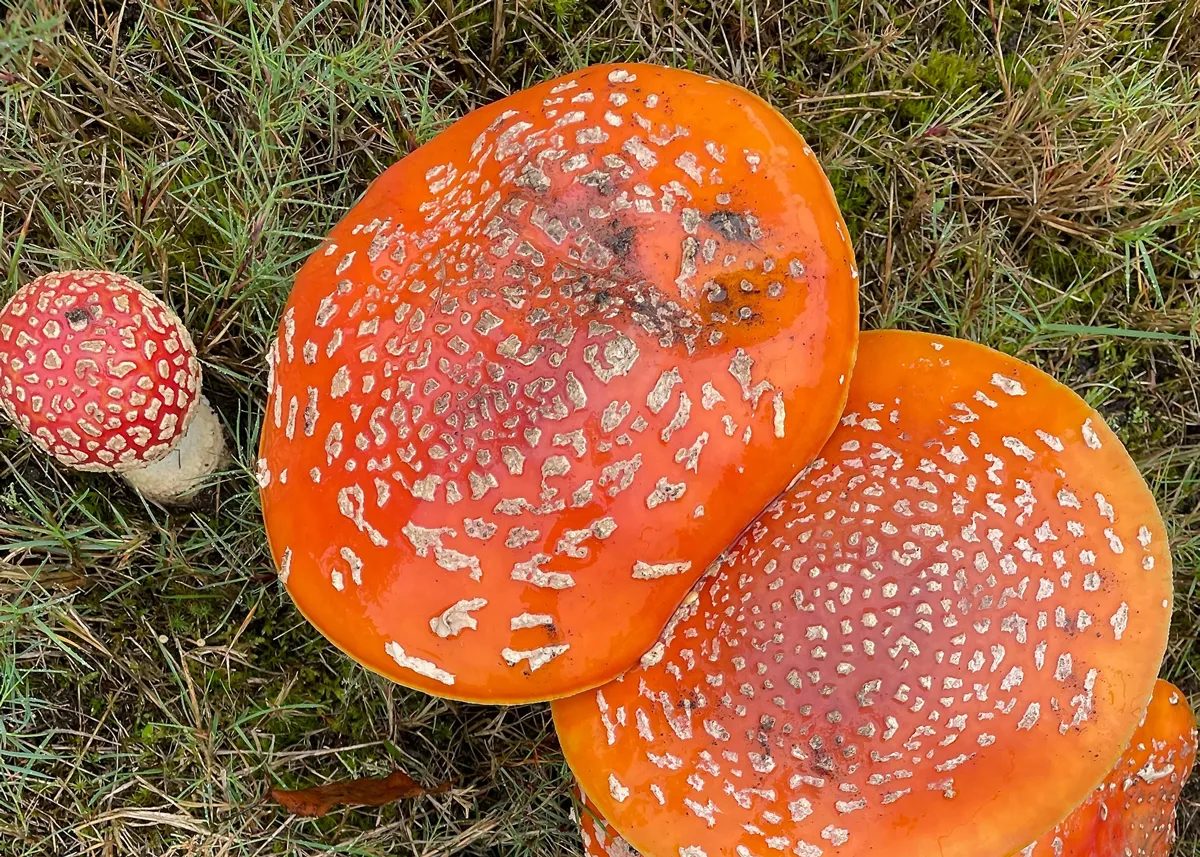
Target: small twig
497,32
847,96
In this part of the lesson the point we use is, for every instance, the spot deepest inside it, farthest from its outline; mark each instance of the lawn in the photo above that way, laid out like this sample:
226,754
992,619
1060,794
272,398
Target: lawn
1025,174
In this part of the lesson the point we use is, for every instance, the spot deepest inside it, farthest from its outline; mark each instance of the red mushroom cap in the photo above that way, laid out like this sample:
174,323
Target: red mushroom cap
98,371
1132,813
510,388
937,641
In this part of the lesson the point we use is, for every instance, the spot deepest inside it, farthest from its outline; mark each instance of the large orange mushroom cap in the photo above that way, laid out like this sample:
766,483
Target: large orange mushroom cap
937,641
1132,813
545,372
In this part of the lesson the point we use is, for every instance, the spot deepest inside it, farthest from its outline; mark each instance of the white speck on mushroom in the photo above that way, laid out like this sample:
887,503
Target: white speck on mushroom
691,454
1120,620
621,353
687,162
982,398
665,492
709,396
642,153
418,665
354,562
352,504
620,794
1018,447
1050,440
453,560
478,528
519,537
836,835
740,366
457,618
575,391
426,487
537,658
1068,500
800,809
424,539
481,483
530,620
1030,718
530,571
488,321
680,419
652,571
570,541
1011,386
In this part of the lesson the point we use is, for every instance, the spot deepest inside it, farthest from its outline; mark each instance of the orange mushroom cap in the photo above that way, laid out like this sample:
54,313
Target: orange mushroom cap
512,383
935,642
1132,813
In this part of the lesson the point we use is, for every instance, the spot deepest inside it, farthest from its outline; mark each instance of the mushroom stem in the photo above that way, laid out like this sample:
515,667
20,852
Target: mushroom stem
178,475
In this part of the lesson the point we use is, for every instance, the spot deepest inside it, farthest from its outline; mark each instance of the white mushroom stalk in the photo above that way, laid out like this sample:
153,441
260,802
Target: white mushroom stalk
102,375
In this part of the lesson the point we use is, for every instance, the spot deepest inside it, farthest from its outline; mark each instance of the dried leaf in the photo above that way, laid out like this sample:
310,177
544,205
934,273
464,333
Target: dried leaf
365,791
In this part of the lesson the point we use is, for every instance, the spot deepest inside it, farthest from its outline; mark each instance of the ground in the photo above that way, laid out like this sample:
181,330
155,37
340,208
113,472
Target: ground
1021,173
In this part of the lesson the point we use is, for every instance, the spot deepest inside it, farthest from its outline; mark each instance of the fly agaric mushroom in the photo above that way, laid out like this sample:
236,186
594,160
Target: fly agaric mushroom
936,641
1132,813
101,374
509,388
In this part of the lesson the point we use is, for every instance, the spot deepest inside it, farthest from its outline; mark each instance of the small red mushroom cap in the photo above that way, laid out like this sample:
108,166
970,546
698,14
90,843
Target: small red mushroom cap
98,371
936,641
1132,813
514,384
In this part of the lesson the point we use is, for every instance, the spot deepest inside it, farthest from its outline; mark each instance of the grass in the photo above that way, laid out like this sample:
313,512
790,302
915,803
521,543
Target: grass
1019,172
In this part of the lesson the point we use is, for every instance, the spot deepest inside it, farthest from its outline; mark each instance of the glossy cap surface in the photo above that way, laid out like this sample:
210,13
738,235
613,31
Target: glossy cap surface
936,642
97,370
1132,813
511,385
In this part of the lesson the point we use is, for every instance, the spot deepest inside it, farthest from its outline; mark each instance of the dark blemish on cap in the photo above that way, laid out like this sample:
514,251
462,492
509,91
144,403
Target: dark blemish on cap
730,224
622,241
77,318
